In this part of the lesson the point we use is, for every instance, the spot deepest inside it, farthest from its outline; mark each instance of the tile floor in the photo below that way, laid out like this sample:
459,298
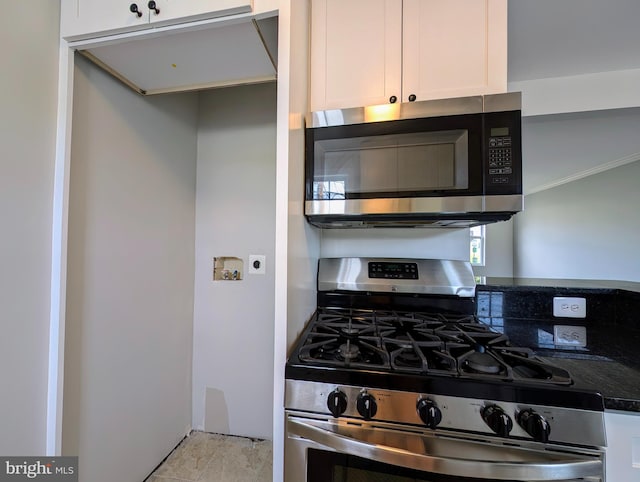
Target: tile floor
207,457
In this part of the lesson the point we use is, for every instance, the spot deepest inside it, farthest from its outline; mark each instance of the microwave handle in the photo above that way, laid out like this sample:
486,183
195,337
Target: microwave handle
490,470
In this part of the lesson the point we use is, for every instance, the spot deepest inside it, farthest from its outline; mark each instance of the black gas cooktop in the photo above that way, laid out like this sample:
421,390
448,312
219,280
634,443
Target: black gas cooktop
421,343
445,353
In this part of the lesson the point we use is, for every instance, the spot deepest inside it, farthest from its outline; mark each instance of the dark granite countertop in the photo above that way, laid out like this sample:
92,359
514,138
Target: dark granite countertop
609,364
610,361
618,383
554,283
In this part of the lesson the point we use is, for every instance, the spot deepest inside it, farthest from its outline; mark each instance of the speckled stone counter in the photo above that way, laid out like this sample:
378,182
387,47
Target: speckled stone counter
610,361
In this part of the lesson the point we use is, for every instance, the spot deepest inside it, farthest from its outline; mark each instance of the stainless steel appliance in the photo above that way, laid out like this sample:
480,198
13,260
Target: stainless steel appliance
394,379
445,163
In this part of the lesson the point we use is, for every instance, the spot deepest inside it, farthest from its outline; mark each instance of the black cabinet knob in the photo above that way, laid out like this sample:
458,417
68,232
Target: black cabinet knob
133,8
497,420
393,99
429,412
152,6
534,424
366,405
412,97
337,403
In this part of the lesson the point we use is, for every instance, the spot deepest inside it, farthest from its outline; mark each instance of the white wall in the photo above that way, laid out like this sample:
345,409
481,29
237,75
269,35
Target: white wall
498,250
562,148
128,346
559,150
28,91
235,216
396,243
303,242
297,246
589,228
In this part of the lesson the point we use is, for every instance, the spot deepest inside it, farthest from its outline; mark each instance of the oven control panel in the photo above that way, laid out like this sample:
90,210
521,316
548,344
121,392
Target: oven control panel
389,270
494,418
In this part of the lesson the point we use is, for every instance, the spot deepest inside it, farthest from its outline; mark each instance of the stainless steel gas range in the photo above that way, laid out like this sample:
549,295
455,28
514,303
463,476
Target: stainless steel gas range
394,379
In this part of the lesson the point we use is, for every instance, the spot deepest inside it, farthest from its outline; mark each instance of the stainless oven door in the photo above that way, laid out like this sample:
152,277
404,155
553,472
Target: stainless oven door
425,455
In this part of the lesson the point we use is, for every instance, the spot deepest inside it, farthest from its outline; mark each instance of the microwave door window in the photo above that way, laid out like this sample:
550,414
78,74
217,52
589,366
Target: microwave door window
347,167
427,167
377,170
329,189
437,162
330,175
392,164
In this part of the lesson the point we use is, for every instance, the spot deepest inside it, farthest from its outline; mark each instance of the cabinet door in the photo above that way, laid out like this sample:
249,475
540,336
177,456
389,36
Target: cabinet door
84,17
91,18
171,11
454,48
355,52
623,446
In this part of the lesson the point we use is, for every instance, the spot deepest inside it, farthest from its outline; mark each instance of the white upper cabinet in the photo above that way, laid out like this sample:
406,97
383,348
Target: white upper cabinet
454,48
366,52
78,17
171,10
93,18
161,46
356,52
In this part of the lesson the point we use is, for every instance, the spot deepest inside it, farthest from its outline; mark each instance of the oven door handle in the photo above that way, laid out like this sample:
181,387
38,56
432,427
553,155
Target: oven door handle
563,468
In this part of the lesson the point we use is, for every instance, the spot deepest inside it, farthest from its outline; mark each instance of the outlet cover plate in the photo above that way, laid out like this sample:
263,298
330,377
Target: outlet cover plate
570,335
567,307
257,264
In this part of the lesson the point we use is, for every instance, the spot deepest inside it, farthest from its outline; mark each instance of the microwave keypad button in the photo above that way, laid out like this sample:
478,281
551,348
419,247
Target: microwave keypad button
500,159
500,180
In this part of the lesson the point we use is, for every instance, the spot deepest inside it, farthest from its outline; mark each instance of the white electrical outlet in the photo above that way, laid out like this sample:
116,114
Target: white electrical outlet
565,307
569,335
257,264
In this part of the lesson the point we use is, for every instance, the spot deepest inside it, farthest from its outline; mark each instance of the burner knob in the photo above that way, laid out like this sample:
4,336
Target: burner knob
534,424
366,405
497,420
429,412
337,402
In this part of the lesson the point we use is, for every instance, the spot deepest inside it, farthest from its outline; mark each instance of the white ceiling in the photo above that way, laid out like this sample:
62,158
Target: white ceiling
556,38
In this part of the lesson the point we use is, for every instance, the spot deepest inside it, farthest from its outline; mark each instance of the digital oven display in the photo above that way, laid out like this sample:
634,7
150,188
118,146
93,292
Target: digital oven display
383,269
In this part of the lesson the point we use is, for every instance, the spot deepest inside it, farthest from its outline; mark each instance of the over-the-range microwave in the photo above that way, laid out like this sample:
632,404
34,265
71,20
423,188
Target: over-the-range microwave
440,163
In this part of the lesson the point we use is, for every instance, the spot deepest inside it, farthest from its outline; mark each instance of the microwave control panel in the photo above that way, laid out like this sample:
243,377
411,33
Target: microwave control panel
500,156
502,153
